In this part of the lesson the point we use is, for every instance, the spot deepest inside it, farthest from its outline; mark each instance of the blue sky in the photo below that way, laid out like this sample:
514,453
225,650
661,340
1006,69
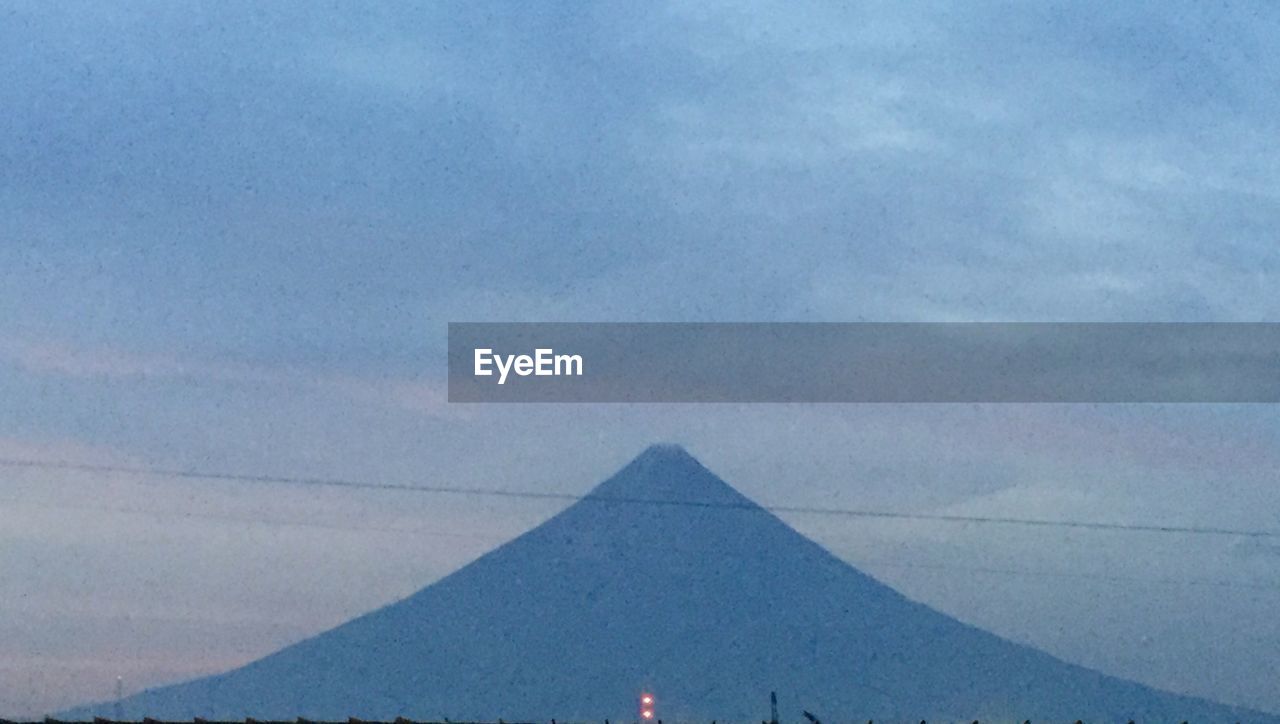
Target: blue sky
231,236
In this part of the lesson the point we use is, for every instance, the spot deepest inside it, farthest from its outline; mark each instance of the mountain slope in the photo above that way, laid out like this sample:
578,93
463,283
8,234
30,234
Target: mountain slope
663,578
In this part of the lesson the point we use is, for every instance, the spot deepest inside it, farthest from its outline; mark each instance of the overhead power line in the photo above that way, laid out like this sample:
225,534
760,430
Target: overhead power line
1072,575
172,515
861,561
571,497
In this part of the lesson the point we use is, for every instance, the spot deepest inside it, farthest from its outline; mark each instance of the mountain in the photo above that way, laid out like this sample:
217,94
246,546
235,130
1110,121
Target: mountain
662,579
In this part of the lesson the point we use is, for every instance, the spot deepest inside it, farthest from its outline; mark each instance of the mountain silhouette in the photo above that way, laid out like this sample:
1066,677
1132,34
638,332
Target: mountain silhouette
663,579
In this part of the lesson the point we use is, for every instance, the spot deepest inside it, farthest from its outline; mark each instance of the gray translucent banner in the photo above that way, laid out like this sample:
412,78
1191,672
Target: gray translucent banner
873,362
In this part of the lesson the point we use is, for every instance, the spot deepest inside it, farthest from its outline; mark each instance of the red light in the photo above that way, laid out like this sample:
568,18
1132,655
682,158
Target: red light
647,714
646,699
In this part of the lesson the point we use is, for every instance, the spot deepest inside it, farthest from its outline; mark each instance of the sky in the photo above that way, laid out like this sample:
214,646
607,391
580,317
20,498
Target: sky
232,235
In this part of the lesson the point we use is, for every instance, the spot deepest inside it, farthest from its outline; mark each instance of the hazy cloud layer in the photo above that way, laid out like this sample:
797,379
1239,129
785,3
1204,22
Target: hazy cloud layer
233,233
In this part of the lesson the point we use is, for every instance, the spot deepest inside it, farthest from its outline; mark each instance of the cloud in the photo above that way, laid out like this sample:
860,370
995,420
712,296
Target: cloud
107,364
233,238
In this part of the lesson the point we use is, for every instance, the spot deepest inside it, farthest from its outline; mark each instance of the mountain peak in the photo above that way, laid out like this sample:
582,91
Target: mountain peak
667,473
667,455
